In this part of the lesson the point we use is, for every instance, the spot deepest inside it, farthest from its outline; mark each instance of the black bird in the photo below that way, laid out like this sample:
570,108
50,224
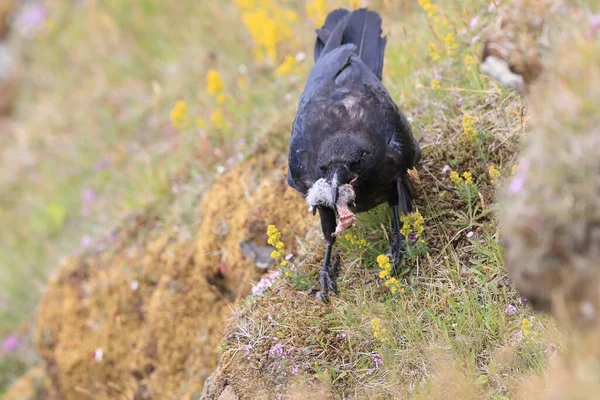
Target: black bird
348,130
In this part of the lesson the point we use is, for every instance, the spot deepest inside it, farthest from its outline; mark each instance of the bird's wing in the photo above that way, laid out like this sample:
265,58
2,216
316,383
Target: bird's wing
303,146
394,125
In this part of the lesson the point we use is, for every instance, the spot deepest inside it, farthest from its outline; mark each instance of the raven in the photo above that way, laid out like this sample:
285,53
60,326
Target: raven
348,134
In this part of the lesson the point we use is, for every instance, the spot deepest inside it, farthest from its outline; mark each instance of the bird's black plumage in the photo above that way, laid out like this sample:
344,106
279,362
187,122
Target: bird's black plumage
347,127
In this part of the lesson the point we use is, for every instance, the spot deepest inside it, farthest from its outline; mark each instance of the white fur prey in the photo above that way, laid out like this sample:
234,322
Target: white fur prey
321,194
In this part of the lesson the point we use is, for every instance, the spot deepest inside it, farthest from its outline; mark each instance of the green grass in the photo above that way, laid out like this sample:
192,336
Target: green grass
94,115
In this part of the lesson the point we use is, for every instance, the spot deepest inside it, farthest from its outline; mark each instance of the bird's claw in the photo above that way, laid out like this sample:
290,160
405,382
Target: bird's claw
328,285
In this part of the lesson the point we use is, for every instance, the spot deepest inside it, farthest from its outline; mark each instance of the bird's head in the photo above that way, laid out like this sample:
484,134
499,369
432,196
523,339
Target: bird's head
344,159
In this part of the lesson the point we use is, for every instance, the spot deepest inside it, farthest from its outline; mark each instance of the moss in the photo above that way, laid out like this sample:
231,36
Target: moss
154,303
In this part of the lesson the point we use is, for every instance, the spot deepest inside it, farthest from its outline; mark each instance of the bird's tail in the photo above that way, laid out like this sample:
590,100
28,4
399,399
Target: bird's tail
360,27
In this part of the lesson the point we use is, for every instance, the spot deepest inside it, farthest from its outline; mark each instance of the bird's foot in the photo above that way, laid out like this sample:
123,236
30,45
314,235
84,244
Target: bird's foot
328,284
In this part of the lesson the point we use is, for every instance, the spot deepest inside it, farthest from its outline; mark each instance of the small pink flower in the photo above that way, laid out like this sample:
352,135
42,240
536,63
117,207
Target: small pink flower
510,309
11,343
474,22
295,370
86,241
470,234
446,169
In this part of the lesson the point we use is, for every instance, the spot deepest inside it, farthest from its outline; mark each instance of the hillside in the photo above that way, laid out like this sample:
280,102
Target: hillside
171,299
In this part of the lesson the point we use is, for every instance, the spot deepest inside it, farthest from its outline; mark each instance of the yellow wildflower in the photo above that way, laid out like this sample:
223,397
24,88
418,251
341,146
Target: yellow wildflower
245,4
393,284
432,9
291,16
216,118
284,263
494,173
317,11
526,330
418,223
214,82
279,245
412,223
179,115
433,51
469,62
375,324
275,254
450,42
386,267
435,84
221,99
287,67
405,219
355,241
455,178
273,234
468,124
268,27
378,331
468,177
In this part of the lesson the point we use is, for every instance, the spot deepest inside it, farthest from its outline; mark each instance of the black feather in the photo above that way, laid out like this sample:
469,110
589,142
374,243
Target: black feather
347,126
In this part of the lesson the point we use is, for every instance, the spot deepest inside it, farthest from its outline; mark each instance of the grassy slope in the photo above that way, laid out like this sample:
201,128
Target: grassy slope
458,329
100,86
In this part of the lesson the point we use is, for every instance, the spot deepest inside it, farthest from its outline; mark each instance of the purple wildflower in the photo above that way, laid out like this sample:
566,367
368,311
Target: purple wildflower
522,300
31,19
278,351
248,349
265,282
377,360
11,343
474,22
295,370
516,185
370,371
470,234
86,241
510,309
412,237
446,169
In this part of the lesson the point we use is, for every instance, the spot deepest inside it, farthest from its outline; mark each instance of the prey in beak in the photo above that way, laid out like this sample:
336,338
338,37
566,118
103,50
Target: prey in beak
337,195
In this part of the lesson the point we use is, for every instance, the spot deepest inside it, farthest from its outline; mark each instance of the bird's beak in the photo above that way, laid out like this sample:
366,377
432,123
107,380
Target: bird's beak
340,177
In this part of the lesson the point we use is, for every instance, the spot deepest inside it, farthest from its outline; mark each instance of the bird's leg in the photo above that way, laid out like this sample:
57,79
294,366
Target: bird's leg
328,273
398,240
